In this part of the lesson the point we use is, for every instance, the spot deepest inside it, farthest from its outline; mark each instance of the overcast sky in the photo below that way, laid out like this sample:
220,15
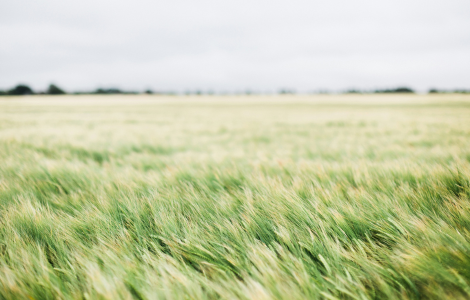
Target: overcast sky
263,45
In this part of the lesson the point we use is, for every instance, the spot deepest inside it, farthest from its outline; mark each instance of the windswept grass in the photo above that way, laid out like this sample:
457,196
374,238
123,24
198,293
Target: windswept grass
143,197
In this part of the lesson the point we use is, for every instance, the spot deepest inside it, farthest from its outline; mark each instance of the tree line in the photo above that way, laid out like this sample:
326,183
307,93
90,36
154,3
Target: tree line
22,89
407,90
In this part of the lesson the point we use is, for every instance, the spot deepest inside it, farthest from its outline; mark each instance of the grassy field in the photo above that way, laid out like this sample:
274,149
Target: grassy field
150,197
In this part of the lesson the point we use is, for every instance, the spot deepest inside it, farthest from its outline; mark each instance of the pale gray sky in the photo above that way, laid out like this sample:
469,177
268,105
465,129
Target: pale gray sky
235,45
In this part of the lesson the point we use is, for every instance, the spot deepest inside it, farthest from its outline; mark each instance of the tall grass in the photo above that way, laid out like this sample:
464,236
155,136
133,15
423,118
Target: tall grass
143,197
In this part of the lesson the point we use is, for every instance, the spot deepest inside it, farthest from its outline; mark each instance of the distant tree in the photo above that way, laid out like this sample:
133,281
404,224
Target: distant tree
3,93
149,92
433,91
21,89
108,91
397,90
55,90
113,91
403,90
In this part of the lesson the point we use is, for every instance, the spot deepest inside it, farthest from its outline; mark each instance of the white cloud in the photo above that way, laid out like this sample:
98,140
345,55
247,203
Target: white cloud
232,45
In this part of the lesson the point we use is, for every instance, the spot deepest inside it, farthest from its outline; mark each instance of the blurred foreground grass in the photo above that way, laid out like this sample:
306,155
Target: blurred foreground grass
146,197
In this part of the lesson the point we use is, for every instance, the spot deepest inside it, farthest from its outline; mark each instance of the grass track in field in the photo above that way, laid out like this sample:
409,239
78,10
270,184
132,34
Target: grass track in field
147,197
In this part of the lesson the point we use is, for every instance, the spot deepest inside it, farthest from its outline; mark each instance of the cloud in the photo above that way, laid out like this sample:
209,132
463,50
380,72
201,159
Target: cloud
227,45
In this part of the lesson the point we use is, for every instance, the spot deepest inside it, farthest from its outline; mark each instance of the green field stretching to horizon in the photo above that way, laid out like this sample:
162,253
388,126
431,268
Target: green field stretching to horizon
236,197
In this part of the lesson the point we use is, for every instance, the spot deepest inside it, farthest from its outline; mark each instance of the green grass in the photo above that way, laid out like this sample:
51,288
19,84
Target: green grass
146,197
